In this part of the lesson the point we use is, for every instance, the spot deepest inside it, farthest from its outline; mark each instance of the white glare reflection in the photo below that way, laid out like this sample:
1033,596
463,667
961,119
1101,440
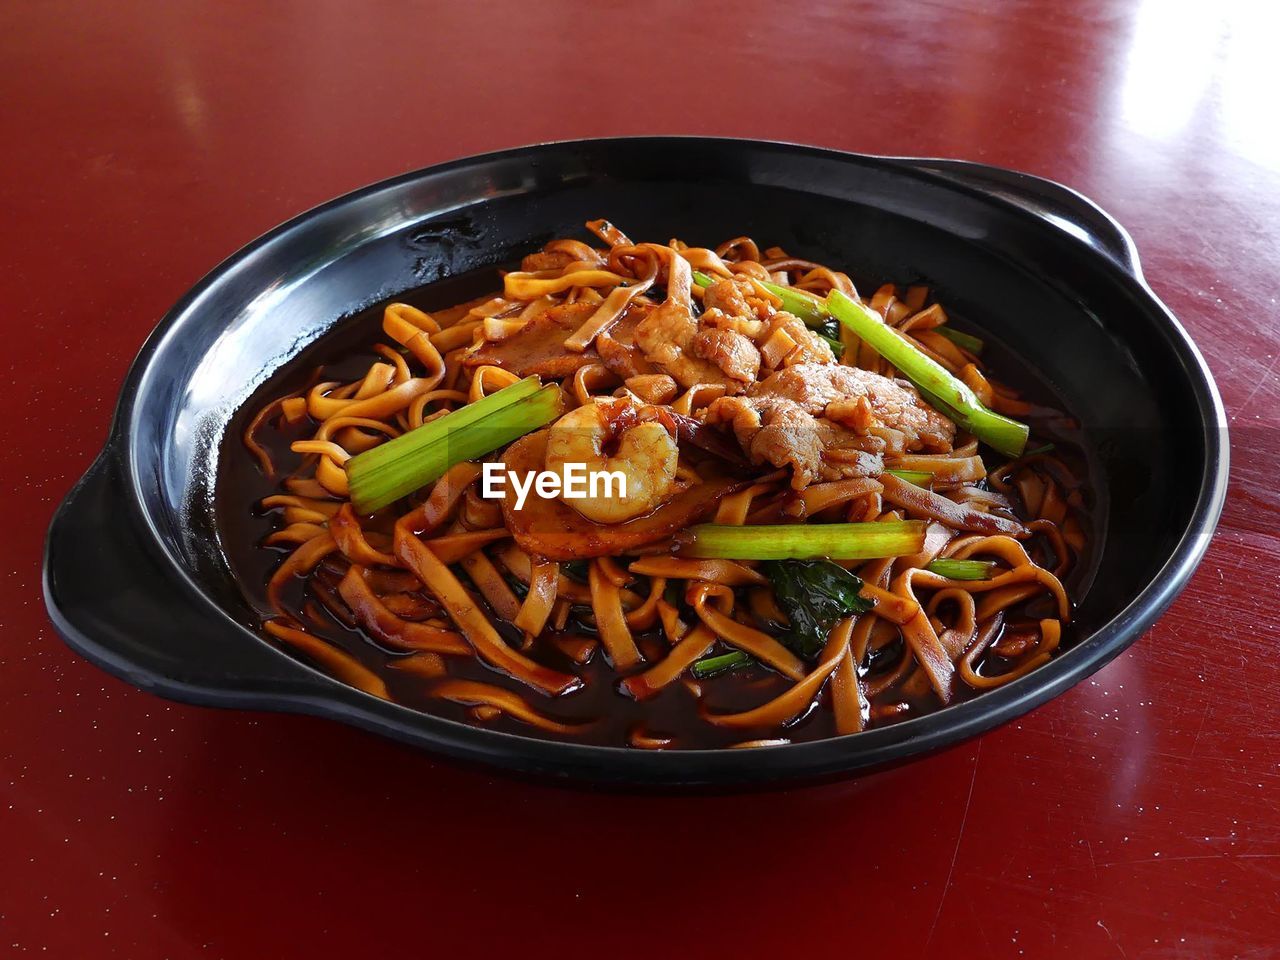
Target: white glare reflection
1208,70
1170,65
1251,82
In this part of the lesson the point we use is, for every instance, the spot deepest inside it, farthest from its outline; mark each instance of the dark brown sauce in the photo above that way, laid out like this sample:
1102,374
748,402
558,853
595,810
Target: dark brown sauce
610,716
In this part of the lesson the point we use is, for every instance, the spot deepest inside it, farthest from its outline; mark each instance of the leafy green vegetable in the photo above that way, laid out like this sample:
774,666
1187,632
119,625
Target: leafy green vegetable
814,594
710,666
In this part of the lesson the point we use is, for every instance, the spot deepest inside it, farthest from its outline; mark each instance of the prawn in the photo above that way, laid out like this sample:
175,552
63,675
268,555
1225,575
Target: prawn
645,453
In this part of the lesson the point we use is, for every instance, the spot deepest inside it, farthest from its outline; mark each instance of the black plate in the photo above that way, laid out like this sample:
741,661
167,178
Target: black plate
134,579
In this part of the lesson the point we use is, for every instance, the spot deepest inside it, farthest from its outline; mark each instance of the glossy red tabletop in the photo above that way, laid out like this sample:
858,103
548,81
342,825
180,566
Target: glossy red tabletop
1136,816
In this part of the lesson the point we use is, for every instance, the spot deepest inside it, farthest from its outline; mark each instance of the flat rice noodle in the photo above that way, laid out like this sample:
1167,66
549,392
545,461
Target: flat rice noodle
734,508
346,532
1050,632
611,622
295,533
847,700
550,528
475,626
412,606
728,572
923,640
540,599
783,709
442,501
452,547
520,565
692,646
337,662
890,606
299,563
919,502
645,616
1026,574
1004,598
390,629
944,469
748,639
936,537
248,437
474,693
577,648
1006,548
819,496
429,665
672,625
491,584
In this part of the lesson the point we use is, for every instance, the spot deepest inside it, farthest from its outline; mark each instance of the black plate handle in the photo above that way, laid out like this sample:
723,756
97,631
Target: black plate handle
113,599
1058,205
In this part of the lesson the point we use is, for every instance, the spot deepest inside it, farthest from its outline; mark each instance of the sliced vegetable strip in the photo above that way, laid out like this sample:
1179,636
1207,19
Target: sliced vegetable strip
710,666
966,341
836,541
962,569
382,475
921,478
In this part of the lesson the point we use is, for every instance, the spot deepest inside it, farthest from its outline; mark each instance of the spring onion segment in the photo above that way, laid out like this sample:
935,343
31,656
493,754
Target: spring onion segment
962,569
710,666
966,341
800,541
954,398
381,476
921,478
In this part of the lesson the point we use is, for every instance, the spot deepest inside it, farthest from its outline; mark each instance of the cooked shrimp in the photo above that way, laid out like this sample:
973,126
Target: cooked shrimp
645,454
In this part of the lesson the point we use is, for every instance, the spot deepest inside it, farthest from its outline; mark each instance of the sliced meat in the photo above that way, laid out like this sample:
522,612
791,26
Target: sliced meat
727,296
781,433
617,345
537,348
810,348
736,299
734,354
666,337
894,403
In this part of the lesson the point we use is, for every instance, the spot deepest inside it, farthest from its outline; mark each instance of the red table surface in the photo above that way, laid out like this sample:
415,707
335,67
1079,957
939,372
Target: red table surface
1136,816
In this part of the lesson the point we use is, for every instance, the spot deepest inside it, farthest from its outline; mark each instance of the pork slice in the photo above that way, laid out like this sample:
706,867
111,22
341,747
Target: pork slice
894,403
537,348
